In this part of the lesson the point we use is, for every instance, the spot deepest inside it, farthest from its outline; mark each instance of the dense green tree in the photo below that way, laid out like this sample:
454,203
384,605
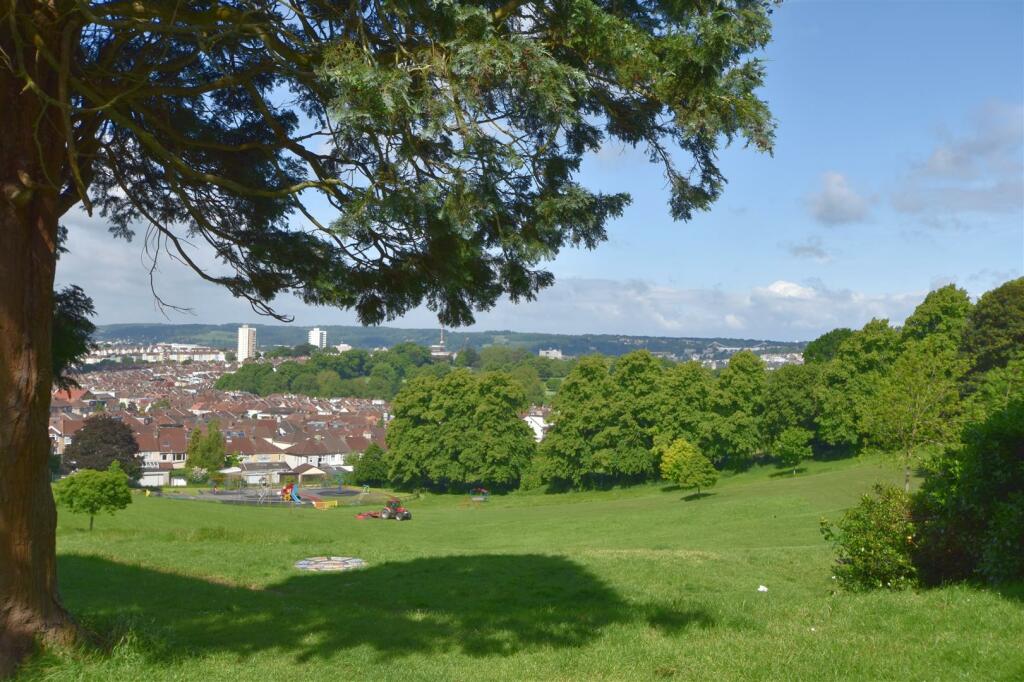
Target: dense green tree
994,390
329,385
683,464
825,347
384,381
452,169
407,354
351,364
685,404
917,402
302,350
638,382
457,430
734,427
502,358
740,386
467,357
72,332
943,314
272,382
549,368
371,467
593,439
851,380
434,369
91,492
528,379
790,400
288,371
206,450
502,445
101,440
995,330
306,384
792,446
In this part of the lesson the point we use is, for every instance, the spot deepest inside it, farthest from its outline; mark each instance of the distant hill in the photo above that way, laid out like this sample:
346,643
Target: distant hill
226,335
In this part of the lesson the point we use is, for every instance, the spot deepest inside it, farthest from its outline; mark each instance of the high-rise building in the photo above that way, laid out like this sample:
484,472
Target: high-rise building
246,343
318,338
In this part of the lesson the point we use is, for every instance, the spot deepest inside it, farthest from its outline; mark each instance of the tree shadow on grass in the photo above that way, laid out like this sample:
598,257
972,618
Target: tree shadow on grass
481,605
696,496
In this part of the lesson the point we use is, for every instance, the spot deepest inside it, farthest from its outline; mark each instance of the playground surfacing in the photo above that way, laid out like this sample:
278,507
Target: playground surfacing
273,496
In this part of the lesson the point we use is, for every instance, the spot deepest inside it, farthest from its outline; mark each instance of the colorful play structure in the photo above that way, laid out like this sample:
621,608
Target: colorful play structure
290,493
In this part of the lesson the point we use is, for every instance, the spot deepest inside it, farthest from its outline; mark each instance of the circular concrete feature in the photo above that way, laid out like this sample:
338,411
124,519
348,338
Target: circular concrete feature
324,564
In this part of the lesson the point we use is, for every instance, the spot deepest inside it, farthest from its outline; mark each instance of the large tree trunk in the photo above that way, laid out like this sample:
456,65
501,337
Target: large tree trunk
31,147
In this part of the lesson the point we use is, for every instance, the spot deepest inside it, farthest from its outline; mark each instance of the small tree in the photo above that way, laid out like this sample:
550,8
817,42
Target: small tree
91,492
683,464
102,440
371,467
792,446
206,450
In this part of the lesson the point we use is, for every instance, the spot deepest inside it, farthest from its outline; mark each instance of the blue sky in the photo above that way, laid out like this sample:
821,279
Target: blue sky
898,167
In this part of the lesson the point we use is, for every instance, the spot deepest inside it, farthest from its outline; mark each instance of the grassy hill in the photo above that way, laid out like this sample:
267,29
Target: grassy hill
226,336
637,584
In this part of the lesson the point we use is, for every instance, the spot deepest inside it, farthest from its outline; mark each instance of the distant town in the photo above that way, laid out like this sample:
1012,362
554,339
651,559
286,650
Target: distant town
164,390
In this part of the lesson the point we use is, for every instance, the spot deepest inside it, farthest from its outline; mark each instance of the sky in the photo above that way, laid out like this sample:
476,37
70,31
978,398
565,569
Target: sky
898,167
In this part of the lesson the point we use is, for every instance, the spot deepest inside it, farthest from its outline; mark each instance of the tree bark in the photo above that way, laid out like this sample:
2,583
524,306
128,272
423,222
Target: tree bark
31,151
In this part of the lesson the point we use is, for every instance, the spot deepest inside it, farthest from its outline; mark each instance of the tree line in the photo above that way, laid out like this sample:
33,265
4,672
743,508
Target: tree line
906,390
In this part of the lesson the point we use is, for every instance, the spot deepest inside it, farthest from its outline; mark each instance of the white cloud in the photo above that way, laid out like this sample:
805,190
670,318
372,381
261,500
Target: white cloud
837,203
784,289
977,173
734,321
778,310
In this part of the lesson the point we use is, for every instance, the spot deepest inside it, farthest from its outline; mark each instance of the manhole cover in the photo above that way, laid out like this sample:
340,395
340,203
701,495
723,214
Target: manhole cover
329,563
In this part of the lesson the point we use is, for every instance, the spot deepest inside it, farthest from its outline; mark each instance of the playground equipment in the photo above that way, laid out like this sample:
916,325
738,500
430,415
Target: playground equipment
291,493
264,491
479,494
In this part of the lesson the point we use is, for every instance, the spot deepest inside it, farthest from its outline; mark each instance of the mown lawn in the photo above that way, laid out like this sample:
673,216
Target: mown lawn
627,584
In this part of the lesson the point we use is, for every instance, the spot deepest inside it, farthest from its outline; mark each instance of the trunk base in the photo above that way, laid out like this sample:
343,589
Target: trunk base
21,633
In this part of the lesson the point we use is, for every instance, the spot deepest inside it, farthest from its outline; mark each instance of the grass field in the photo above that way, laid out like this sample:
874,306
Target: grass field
635,584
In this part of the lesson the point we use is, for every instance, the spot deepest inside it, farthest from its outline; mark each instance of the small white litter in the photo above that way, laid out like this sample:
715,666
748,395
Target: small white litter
762,588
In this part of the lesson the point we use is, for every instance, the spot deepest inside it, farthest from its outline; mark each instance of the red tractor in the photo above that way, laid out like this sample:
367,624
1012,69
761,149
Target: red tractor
393,509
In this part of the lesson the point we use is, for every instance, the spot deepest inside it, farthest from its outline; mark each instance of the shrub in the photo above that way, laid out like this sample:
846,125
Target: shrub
1002,549
874,541
970,511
